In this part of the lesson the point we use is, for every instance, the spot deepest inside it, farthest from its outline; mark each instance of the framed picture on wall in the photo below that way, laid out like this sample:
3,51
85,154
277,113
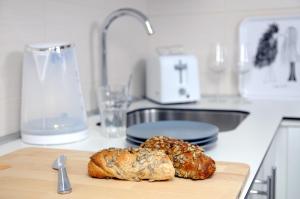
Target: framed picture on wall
269,57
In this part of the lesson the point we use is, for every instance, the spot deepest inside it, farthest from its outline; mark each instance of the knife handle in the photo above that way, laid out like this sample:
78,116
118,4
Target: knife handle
63,185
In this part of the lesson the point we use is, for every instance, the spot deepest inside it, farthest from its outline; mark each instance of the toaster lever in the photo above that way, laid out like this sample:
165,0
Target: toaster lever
180,67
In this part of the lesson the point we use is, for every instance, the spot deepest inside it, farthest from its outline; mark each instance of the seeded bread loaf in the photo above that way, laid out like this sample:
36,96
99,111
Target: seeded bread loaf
131,164
188,160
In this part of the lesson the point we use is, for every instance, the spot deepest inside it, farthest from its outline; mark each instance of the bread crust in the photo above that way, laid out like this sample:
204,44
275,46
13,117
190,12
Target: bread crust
131,164
188,160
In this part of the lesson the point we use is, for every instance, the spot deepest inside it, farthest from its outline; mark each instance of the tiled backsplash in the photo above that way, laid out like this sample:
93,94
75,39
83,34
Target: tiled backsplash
195,24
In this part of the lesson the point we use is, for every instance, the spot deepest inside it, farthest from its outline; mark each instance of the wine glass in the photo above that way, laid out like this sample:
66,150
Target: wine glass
217,65
244,68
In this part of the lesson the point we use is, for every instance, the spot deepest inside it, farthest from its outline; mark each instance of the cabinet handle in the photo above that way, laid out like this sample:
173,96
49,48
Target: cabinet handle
258,192
260,181
270,183
273,183
269,190
267,193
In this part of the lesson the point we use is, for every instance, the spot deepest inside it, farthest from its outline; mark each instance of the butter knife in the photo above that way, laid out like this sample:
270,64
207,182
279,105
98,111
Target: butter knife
64,185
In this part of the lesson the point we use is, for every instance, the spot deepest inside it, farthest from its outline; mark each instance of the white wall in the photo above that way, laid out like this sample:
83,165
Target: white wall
197,24
193,23
77,21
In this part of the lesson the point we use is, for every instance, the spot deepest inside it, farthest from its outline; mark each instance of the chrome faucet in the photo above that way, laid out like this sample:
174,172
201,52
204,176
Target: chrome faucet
112,17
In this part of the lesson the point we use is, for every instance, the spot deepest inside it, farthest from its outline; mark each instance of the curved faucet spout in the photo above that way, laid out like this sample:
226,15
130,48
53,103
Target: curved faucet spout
112,17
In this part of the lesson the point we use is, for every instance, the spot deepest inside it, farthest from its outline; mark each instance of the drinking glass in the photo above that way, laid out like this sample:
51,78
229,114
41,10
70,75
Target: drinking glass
113,103
217,65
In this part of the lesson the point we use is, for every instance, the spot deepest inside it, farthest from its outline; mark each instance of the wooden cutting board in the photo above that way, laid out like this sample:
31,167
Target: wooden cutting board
27,173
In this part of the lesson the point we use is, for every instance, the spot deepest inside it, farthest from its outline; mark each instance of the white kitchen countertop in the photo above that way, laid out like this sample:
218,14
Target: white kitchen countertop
248,143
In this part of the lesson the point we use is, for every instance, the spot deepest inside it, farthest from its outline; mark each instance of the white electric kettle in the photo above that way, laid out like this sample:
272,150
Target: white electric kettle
53,110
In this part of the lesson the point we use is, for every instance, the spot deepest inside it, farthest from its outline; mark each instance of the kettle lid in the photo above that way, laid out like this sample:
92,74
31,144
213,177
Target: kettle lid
42,47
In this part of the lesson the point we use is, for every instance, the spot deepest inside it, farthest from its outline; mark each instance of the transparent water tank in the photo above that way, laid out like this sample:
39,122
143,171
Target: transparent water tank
53,110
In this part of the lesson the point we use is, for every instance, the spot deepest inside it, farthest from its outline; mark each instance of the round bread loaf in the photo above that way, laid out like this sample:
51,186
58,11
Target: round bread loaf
188,160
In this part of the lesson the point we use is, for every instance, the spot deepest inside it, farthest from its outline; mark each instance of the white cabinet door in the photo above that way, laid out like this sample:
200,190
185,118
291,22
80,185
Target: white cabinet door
281,162
273,170
293,170
284,155
260,188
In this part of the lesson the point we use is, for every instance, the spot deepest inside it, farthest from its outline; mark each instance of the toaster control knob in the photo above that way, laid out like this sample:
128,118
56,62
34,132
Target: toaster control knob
182,91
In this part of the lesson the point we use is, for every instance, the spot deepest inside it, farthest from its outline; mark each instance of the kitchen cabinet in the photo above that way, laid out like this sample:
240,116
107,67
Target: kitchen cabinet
270,176
293,159
278,176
